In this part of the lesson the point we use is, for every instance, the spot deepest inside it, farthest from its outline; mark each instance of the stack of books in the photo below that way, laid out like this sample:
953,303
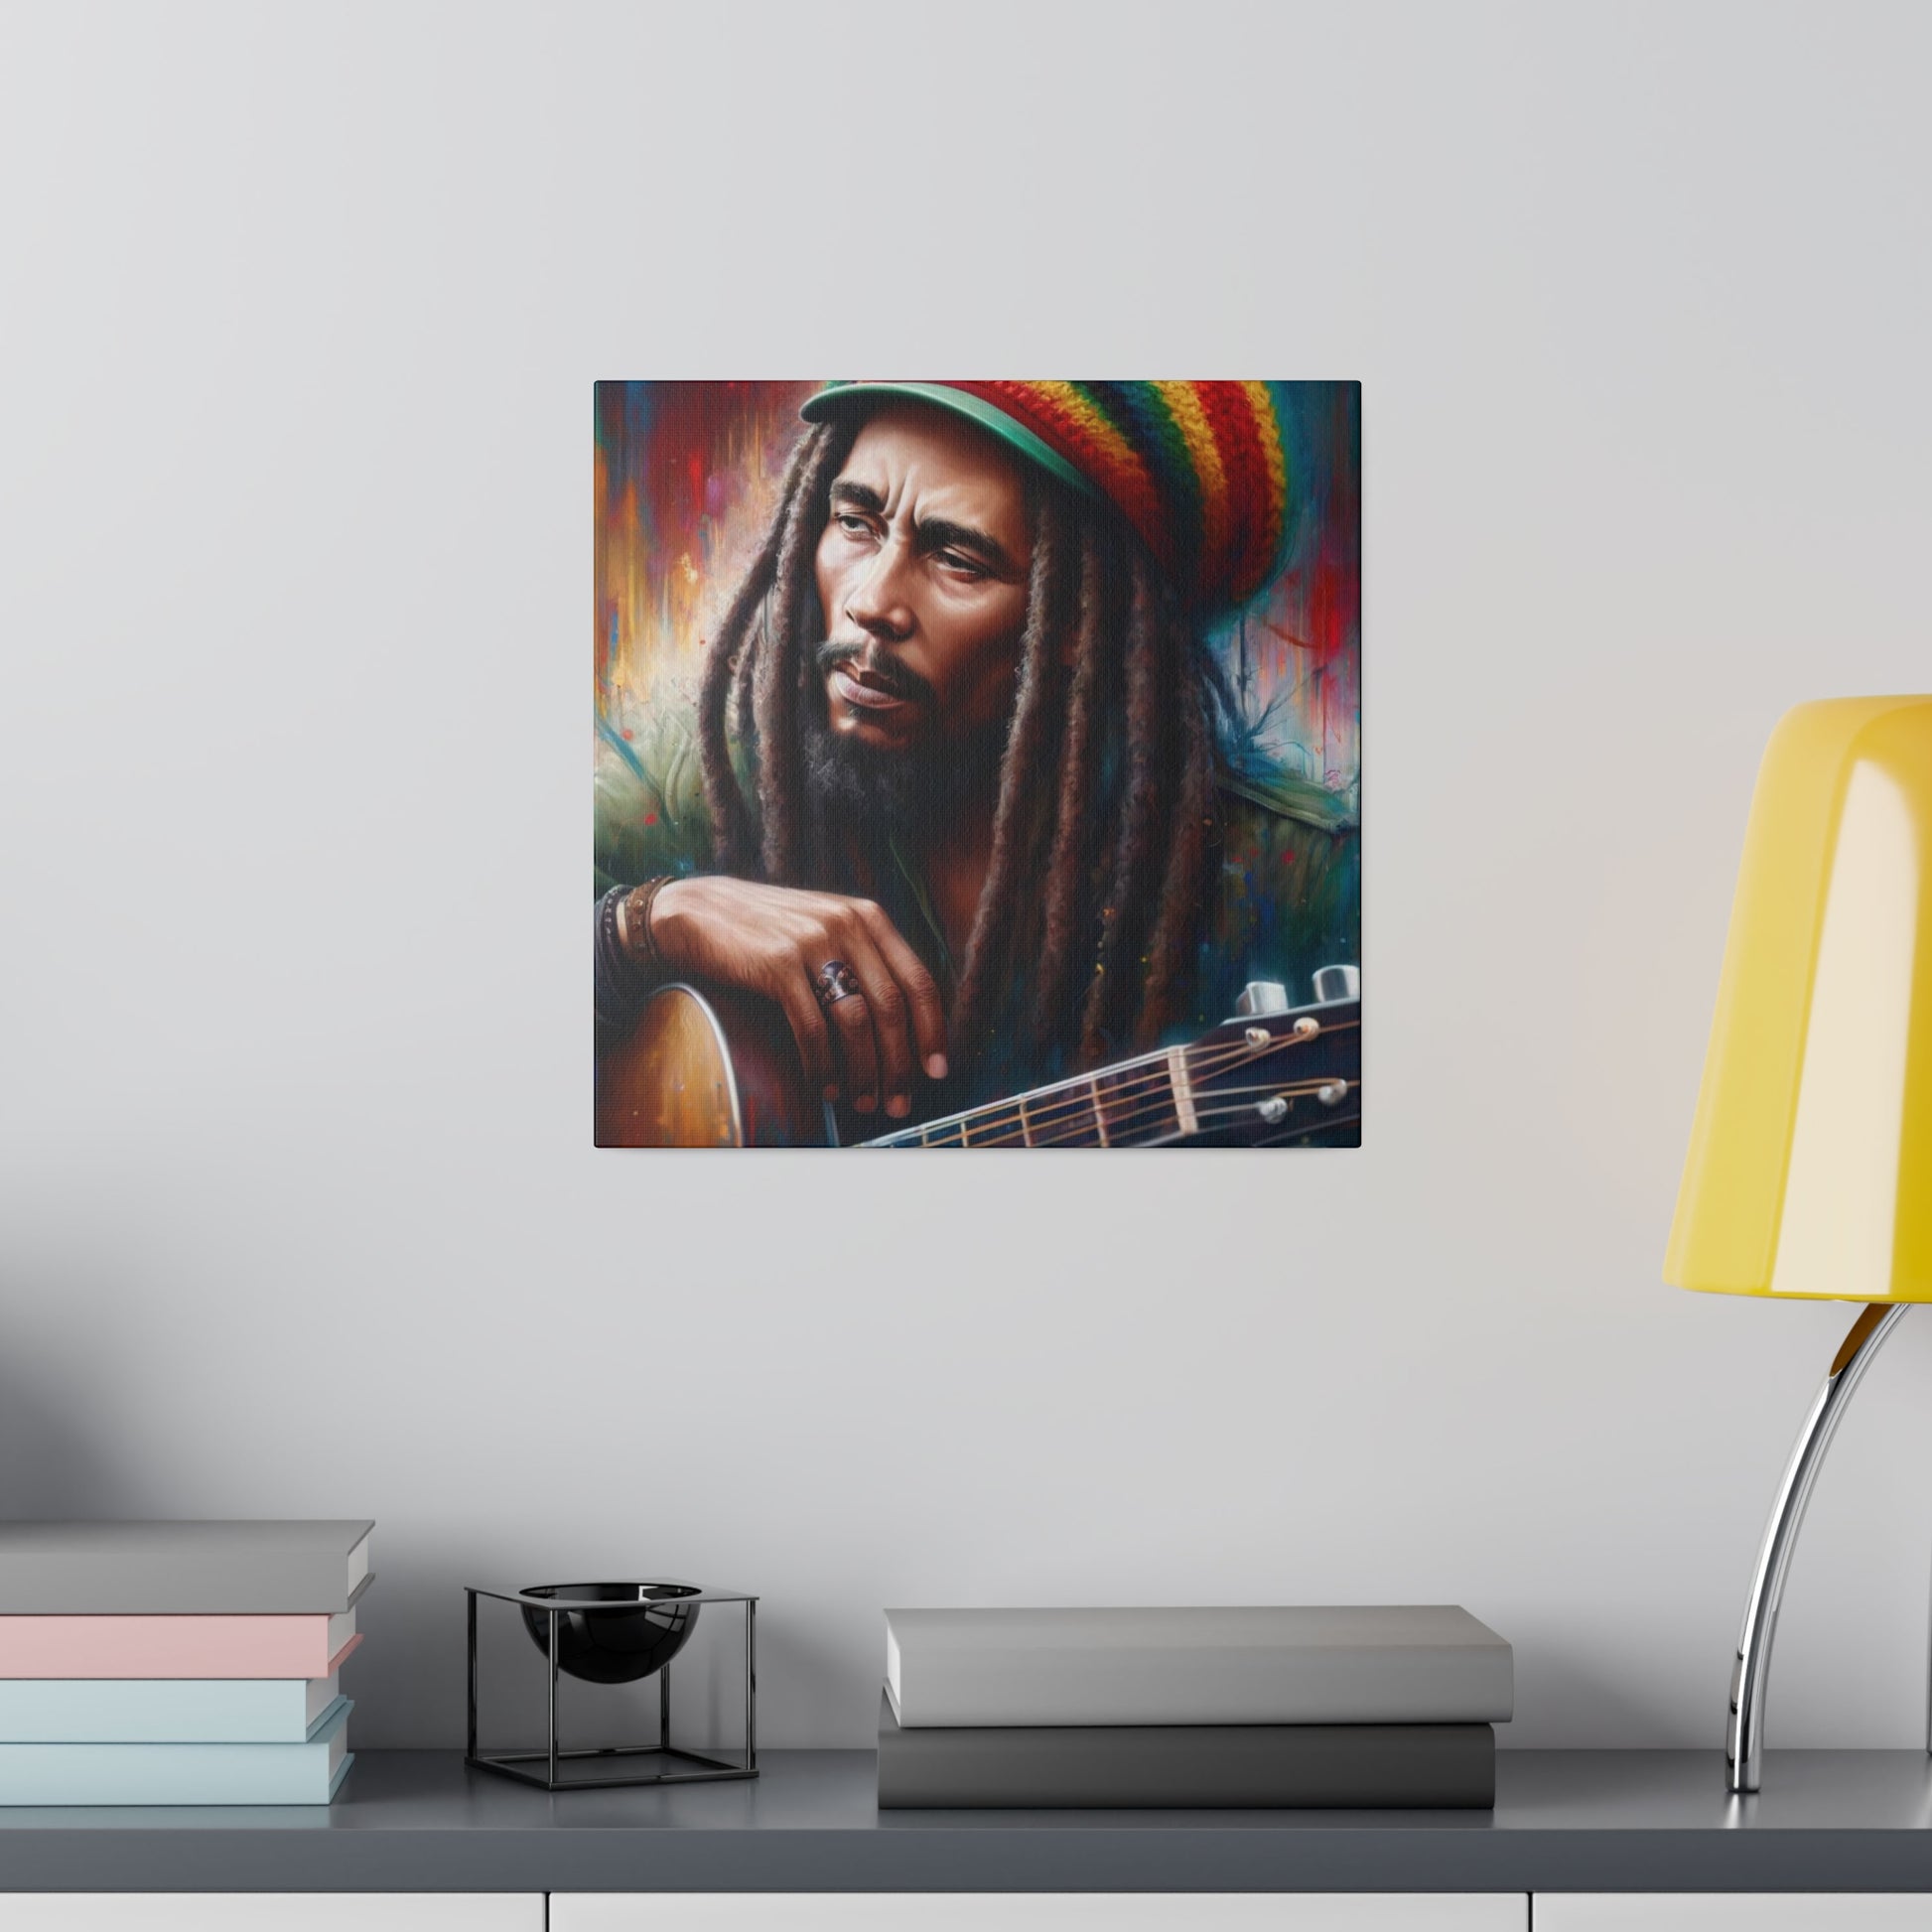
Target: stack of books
1361,1706
177,1663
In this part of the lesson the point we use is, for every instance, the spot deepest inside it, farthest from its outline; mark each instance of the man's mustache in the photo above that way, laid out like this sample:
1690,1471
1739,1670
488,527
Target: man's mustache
889,675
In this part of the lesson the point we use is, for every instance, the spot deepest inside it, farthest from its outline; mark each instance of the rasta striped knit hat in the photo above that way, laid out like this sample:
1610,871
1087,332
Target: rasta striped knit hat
1199,470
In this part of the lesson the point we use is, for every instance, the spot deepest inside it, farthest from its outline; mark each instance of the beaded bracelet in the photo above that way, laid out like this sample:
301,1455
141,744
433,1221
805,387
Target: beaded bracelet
635,936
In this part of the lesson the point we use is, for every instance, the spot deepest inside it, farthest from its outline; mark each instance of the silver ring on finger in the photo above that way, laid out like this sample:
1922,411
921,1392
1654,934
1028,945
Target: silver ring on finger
836,981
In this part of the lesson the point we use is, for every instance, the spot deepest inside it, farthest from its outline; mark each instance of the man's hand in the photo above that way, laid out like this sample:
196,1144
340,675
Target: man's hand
774,940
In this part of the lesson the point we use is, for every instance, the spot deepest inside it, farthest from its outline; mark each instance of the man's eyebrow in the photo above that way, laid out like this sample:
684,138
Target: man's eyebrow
939,533
935,533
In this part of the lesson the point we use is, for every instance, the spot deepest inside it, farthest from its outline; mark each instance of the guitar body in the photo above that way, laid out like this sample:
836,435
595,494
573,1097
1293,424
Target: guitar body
706,1067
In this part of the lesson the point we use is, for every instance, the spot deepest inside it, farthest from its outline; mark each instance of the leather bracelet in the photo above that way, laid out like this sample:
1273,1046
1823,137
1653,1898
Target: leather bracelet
634,935
621,984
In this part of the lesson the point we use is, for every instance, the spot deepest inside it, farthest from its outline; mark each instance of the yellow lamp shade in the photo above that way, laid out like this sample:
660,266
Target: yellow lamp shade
1810,1167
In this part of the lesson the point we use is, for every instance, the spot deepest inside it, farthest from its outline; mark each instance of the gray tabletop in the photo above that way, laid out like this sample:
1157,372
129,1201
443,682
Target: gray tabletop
1564,1821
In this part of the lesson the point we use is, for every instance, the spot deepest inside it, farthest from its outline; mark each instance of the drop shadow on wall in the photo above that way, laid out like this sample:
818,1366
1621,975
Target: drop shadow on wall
1577,1702
56,1454
805,1694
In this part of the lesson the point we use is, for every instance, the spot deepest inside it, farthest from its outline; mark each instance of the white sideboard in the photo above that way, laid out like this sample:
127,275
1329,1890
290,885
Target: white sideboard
1039,1912
243,1911
1790,1911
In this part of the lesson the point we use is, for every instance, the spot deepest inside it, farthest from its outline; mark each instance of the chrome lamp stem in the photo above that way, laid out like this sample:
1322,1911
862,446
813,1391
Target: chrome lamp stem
1744,1732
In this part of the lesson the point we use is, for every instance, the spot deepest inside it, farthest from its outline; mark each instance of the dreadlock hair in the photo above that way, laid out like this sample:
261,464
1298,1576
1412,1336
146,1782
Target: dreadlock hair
1105,805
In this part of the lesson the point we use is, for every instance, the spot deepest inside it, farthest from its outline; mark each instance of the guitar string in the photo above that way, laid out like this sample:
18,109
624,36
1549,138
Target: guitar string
1144,1069
1337,1120
1202,1062
1125,1104
1058,1107
1157,1109
1079,1111
1151,1108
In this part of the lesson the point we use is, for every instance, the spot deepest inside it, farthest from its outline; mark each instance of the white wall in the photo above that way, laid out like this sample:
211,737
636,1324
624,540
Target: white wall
299,316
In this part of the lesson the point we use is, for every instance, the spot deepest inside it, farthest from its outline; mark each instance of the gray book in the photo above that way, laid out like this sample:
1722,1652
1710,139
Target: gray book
235,1569
1359,1664
1182,1766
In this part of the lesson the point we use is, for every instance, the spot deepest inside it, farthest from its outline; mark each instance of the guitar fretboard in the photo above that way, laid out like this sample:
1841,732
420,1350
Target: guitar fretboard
1132,1104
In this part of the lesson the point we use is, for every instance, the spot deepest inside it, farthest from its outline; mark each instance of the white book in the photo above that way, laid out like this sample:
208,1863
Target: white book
204,1569
1427,1663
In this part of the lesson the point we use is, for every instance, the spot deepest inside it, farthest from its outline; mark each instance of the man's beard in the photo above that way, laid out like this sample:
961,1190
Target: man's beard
915,791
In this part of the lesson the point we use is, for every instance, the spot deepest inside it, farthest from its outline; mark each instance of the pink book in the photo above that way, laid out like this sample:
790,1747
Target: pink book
175,1646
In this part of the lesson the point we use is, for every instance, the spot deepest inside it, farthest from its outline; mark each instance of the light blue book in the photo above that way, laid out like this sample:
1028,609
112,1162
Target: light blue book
164,1710
308,1773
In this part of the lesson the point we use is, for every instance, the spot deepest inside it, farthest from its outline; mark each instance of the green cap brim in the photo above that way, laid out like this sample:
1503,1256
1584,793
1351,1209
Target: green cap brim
989,416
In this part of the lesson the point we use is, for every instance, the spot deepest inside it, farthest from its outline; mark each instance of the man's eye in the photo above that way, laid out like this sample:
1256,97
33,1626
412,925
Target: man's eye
853,524
961,565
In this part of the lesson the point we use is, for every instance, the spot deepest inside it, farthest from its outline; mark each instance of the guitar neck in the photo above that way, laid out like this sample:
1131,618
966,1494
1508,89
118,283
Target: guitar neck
1256,1080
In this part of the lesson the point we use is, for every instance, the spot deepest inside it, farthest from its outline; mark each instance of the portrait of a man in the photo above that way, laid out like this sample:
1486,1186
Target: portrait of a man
968,752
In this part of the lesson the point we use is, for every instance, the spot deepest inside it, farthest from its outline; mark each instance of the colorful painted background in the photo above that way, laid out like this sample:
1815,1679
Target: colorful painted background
688,479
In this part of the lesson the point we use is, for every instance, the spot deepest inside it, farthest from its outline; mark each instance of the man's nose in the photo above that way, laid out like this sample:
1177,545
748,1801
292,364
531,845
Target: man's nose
876,599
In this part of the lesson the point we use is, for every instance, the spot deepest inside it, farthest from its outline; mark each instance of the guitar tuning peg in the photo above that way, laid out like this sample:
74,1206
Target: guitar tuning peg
1335,983
1261,997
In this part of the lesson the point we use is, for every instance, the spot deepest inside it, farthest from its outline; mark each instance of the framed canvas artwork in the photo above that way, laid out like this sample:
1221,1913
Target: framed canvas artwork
978,763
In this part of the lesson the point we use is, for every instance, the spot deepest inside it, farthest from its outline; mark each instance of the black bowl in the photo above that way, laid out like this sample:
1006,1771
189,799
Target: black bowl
642,1631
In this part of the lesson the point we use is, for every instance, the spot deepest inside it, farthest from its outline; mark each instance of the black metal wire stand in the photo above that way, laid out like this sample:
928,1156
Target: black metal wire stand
580,1769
